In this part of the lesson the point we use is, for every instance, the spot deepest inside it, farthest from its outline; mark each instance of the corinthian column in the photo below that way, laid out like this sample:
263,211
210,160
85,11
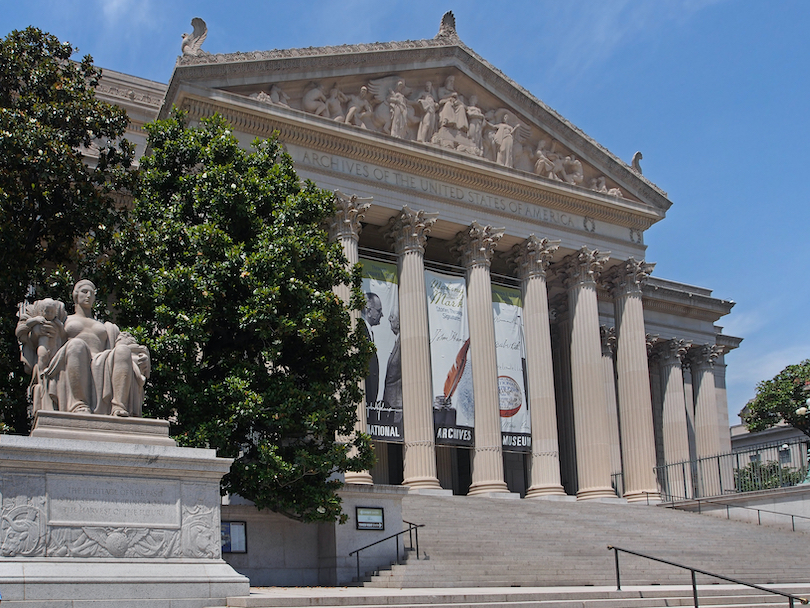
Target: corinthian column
633,380
408,232
608,336
531,259
476,245
578,272
674,426
707,433
345,228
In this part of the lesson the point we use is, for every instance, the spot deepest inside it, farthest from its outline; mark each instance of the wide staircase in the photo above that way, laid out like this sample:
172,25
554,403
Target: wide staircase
499,553
485,542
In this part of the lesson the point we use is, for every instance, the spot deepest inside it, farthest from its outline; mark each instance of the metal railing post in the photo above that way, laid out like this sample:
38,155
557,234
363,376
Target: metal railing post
416,531
618,578
694,588
396,539
358,566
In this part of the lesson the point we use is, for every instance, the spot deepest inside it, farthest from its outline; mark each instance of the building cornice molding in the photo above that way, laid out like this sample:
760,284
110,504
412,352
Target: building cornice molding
304,130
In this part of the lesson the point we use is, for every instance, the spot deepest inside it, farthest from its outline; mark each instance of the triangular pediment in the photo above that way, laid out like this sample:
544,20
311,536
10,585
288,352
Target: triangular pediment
436,93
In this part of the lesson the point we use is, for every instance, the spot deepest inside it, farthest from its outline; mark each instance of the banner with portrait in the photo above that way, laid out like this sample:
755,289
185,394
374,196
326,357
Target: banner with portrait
380,321
453,403
507,311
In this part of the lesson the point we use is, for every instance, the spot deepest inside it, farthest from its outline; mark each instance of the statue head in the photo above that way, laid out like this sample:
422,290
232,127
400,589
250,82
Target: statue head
84,288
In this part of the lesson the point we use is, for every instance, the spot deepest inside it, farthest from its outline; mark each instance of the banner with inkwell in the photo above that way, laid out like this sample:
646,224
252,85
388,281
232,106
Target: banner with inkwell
516,428
380,321
453,404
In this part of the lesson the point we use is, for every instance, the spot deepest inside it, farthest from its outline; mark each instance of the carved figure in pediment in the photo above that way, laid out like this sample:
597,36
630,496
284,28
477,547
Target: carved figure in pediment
504,139
279,97
599,184
398,105
314,100
334,104
448,89
358,109
453,114
426,102
381,89
572,170
550,163
475,129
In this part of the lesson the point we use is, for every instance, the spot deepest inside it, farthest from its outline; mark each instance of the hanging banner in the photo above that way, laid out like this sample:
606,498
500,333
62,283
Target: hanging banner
380,321
453,404
507,310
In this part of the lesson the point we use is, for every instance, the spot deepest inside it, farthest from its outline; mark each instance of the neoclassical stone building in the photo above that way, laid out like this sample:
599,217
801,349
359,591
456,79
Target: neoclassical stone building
523,344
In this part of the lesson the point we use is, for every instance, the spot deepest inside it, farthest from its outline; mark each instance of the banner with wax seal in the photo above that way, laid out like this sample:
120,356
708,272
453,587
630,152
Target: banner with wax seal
453,403
507,311
380,321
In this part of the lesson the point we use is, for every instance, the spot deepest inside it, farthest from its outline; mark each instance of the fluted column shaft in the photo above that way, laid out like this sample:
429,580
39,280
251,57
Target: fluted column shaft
476,245
608,336
531,259
408,232
633,381
590,406
674,424
345,228
707,433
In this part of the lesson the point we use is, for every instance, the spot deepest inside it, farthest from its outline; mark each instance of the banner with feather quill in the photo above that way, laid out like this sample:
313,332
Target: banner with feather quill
507,310
383,383
453,403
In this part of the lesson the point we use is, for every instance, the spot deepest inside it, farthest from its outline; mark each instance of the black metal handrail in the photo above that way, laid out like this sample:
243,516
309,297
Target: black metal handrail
728,507
791,598
413,533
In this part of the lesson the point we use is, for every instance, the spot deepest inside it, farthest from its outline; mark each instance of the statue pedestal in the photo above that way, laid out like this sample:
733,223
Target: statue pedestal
104,508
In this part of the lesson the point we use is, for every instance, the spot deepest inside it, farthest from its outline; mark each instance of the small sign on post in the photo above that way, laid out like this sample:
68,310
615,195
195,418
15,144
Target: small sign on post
370,518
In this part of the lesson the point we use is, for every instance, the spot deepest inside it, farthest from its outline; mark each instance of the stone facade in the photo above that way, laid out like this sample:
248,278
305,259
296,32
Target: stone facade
459,169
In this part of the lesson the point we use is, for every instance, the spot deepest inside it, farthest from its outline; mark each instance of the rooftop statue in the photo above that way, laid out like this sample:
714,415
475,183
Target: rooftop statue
192,43
79,364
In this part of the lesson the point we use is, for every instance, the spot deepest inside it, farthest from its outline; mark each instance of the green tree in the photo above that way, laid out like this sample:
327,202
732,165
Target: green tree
782,398
225,272
50,197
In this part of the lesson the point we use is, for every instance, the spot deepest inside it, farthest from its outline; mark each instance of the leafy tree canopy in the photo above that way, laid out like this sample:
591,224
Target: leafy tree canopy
50,122
781,398
225,272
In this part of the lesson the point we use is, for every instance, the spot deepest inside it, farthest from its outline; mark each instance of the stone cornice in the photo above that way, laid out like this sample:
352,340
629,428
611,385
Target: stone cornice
667,299
300,129
442,52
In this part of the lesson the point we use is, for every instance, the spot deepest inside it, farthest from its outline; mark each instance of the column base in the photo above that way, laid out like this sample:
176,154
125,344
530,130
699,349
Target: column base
487,487
362,478
419,483
594,493
640,496
545,492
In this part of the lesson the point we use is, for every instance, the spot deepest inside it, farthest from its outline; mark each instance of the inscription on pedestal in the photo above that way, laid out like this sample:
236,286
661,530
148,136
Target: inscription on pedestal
112,501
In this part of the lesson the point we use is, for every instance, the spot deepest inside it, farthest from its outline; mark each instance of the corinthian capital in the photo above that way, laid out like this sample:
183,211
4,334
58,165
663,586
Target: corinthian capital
608,336
704,355
628,277
673,352
532,257
582,267
476,245
408,230
350,212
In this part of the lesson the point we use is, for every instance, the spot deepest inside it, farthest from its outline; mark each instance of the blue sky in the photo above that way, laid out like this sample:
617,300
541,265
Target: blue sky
713,92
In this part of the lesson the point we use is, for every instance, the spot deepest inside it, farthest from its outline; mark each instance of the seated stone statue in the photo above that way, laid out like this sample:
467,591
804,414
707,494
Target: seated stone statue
93,367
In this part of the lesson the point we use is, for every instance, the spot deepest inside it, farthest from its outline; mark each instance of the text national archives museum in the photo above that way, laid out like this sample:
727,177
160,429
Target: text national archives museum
522,344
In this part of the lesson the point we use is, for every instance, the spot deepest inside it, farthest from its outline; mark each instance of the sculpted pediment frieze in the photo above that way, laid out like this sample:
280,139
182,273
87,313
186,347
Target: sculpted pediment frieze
442,108
436,92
